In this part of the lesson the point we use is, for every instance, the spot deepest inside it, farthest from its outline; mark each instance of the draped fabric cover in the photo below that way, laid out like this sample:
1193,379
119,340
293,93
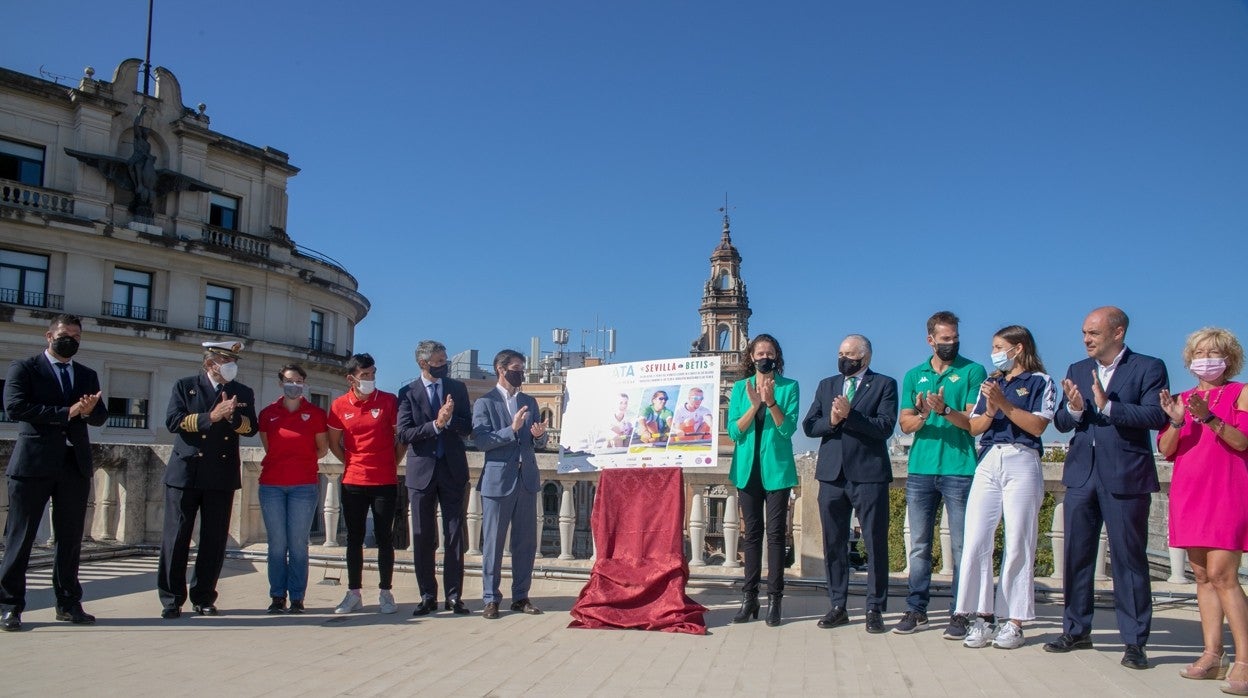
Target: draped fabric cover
639,578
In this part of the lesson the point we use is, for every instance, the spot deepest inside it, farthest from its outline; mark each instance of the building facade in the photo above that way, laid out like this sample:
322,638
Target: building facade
128,210
725,312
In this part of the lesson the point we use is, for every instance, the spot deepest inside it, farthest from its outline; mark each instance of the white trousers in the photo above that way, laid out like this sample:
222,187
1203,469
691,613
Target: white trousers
1008,482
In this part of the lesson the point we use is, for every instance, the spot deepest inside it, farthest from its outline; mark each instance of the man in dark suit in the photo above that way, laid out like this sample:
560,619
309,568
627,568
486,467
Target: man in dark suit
208,413
1112,401
434,416
505,424
54,399
853,416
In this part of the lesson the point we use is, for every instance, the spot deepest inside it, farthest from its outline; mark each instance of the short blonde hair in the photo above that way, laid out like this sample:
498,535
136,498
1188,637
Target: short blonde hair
1222,340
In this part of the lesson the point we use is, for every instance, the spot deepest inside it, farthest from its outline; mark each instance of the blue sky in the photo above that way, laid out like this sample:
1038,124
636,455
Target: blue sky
490,170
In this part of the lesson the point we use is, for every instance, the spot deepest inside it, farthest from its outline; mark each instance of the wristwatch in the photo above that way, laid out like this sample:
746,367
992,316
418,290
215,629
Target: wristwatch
945,412
1208,418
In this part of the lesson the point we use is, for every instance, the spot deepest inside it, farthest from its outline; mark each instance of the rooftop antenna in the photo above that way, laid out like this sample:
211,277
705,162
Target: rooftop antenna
724,210
147,59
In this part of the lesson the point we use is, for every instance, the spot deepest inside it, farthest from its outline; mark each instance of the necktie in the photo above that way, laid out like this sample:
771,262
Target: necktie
436,405
853,388
67,385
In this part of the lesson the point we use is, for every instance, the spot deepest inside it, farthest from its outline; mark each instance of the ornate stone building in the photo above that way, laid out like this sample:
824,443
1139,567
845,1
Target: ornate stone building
131,212
725,312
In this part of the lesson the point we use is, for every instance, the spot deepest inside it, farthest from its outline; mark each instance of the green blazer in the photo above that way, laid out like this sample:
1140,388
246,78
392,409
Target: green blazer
779,470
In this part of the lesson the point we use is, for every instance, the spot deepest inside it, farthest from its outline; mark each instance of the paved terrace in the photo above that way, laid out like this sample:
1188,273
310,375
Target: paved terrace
244,652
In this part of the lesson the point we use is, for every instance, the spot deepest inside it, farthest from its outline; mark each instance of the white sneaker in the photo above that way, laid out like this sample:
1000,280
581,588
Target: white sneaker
350,602
1009,637
979,634
386,599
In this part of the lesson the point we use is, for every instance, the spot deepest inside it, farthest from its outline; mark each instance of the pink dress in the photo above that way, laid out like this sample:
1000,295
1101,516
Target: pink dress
1209,488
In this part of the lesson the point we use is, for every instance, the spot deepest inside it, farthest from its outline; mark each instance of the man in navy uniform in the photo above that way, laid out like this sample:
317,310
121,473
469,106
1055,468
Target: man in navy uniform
208,412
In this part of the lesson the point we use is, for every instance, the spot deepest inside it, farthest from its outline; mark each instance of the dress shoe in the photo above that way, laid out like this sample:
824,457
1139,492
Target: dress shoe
875,622
1067,642
75,615
11,620
773,609
490,612
171,613
425,607
296,606
457,607
278,605
749,608
525,606
205,609
1134,657
837,616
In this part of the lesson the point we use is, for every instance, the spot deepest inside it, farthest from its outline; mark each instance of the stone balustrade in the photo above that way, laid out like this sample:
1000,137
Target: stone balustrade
128,498
31,198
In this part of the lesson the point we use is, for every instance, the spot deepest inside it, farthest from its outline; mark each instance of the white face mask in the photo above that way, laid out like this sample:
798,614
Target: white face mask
366,387
1208,369
1001,360
228,371
292,390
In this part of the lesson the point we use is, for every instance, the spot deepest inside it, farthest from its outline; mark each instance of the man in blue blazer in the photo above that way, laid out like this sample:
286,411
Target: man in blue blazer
505,424
1111,402
434,416
853,416
53,399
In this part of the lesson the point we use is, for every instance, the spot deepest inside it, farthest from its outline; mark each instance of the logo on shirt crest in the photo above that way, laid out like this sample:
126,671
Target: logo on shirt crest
191,391
954,378
305,416
349,415
1022,392
376,412
923,379
274,419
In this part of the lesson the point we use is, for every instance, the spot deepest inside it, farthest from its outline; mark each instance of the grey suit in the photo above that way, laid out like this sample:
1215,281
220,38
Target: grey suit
508,485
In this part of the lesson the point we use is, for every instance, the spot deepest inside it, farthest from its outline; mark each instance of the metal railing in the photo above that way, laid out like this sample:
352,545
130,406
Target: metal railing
224,325
320,346
133,312
30,298
127,421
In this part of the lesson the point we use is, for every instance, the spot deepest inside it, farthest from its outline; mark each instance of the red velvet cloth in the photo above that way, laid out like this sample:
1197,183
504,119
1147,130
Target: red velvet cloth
639,578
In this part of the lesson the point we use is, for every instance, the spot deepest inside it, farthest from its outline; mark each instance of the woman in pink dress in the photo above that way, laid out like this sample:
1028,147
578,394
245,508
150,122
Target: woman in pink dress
1207,439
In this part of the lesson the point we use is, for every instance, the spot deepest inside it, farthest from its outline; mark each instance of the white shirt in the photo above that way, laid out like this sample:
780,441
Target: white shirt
1104,373
510,399
438,383
857,382
54,362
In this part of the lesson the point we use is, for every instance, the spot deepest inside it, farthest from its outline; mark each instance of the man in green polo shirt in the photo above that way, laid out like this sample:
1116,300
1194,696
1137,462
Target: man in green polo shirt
936,399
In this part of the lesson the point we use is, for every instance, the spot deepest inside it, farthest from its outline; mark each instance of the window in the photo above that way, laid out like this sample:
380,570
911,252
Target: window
21,163
316,334
724,282
321,400
4,417
223,211
218,309
24,279
127,399
132,294
722,340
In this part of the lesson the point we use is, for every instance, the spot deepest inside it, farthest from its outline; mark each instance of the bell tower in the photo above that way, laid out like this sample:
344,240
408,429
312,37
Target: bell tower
725,315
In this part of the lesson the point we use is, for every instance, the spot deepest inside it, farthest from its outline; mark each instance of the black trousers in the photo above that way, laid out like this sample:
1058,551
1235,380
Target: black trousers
356,501
181,506
755,501
837,502
424,503
68,491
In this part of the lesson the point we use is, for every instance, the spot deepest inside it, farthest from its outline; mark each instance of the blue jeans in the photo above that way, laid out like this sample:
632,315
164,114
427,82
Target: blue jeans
288,513
923,499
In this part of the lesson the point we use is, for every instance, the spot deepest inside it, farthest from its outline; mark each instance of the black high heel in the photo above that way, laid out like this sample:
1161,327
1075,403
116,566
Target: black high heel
749,608
773,609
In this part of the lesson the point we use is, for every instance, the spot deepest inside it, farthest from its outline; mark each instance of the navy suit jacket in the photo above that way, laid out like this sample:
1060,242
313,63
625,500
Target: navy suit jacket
205,453
1117,448
416,417
32,397
509,456
857,447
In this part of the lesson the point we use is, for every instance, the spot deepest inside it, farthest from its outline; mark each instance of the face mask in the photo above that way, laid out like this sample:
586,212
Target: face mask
292,390
514,378
848,366
440,372
366,387
65,346
228,371
1001,360
948,351
1204,369
765,364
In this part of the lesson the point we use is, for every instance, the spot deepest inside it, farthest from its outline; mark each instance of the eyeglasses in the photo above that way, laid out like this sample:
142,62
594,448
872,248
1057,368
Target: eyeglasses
661,399
695,398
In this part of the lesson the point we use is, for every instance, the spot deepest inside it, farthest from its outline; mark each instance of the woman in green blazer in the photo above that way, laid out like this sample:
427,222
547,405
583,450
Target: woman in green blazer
762,416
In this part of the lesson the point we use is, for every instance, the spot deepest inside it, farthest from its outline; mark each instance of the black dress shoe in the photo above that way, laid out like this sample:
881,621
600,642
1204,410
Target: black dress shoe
278,605
205,609
525,606
425,607
490,612
11,620
875,622
837,616
1067,642
457,607
171,613
75,615
296,606
1134,657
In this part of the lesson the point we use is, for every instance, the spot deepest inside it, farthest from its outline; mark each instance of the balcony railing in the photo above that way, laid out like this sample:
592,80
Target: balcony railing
35,198
224,325
14,296
127,421
236,241
132,312
320,346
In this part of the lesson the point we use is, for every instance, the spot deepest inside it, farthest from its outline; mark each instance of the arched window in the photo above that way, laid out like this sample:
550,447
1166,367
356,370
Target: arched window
550,499
547,416
723,338
724,281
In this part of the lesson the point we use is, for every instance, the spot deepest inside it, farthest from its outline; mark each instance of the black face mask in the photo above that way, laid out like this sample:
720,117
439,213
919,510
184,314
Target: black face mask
514,378
765,364
440,371
947,352
65,346
848,366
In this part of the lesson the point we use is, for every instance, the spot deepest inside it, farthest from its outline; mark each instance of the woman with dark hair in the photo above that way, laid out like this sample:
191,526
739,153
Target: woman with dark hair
293,433
762,416
1015,406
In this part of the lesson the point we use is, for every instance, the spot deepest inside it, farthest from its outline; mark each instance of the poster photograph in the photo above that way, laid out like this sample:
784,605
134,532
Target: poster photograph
661,413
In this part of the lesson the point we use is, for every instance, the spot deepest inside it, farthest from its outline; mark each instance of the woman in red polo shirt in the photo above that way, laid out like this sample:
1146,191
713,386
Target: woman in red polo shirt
362,430
294,434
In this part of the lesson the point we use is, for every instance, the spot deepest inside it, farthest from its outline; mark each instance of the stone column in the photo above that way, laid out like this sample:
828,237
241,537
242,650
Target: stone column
473,522
1102,556
1178,556
732,530
697,532
1057,534
567,525
332,509
946,543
